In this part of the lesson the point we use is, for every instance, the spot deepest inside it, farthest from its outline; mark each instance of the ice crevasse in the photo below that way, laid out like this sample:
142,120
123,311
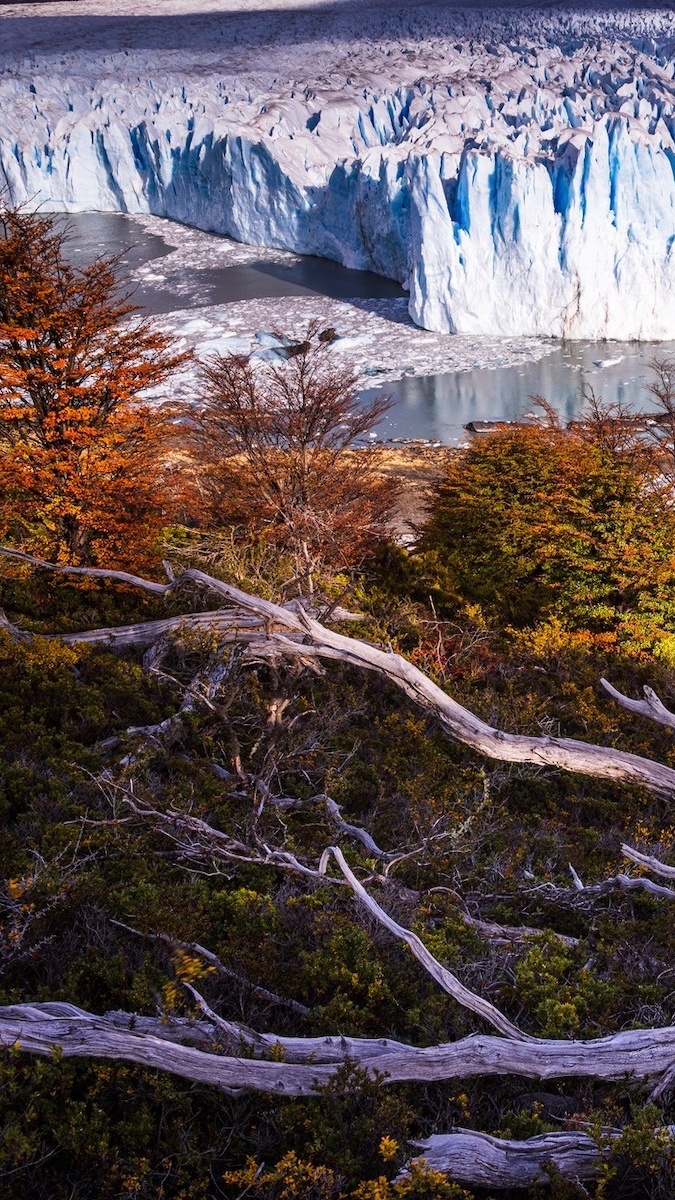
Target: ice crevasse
507,208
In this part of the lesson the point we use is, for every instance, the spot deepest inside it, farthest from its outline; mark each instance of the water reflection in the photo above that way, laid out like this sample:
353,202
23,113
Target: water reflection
92,234
439,406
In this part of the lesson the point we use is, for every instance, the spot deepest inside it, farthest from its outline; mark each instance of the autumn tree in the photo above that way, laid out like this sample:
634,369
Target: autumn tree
82,475
281,446
536,522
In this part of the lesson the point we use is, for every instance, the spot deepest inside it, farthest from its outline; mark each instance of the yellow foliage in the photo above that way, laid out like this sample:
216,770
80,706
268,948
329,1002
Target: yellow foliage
551,638
18,887
291,1179
295,1179
388,1148
190,968
421,1181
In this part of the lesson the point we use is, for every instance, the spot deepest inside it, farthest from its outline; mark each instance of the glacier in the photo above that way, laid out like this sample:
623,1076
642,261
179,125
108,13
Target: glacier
514,170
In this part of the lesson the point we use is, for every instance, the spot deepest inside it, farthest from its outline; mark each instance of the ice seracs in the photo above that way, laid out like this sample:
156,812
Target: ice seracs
516,187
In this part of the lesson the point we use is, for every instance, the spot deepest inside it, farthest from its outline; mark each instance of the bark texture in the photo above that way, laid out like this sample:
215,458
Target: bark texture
637,1054
484,1161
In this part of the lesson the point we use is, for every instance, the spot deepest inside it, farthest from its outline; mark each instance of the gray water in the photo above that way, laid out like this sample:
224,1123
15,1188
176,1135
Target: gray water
92,234
434,407
439,406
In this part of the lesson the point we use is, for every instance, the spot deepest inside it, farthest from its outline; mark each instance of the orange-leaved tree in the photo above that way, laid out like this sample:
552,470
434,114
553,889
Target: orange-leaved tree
82,458
283,451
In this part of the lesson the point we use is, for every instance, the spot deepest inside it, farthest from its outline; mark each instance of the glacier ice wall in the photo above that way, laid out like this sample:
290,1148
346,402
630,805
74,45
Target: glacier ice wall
514,190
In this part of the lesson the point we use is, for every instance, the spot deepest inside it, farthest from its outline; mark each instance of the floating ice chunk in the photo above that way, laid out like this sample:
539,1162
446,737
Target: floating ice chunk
224,345
353,343
271,341
198,325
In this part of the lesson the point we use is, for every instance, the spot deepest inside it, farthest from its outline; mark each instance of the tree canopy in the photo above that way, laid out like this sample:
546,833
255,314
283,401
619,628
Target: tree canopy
536,522
281,452
82,457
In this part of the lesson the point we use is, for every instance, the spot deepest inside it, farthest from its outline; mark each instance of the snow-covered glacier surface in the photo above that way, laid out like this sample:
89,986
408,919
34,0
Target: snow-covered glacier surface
513,167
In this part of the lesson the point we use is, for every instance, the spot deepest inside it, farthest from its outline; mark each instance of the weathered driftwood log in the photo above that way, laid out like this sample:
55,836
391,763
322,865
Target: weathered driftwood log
296,634
484,1161
638,1054
463,726
213,1034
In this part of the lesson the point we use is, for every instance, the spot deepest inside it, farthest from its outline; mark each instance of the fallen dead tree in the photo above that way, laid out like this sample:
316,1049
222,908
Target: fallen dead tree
471,1157
637,1055
270,630
484,1161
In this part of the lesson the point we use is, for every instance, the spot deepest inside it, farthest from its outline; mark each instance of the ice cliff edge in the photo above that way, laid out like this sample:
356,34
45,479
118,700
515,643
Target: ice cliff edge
514,191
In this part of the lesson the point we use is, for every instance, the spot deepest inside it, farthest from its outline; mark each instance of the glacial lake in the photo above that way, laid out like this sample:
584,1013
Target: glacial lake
439,406
434,407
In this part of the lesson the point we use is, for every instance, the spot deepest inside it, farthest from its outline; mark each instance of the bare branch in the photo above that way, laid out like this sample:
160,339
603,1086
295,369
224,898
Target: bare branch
645,860
650,707
355,831
628,883
16,634
198,842
232,627
275,624
504,935
218,965
449,982
463,726
147,585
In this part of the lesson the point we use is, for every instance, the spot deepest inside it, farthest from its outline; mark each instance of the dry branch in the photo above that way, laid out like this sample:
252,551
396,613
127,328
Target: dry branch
198,842
463,726
146,585
355,831
645,860
218,965
211,1032
505,935
627,883
296,634
449,982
